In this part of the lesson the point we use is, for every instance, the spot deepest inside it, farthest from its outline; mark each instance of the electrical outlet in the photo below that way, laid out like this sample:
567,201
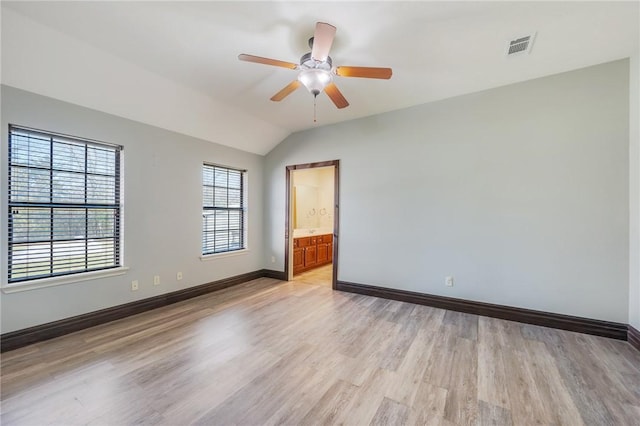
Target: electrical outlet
179,276
156,280
448,281
134,285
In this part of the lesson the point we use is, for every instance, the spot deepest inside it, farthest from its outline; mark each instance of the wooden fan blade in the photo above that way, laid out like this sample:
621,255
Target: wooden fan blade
322,41
336,96
366,72
289,88
267,61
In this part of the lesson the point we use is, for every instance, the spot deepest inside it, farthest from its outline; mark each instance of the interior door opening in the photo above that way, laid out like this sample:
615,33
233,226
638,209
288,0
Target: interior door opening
311,225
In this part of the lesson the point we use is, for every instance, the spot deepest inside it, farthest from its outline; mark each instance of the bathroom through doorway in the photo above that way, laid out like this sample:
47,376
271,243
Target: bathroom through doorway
312,223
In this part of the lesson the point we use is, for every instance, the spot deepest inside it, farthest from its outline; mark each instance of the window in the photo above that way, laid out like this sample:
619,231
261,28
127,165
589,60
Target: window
64,205
223,213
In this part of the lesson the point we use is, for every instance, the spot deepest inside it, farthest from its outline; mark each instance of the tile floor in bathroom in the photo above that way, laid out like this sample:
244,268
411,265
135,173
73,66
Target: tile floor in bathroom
319,276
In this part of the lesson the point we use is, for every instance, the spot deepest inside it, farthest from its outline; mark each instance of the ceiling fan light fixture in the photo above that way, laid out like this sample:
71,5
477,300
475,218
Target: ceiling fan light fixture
315,80
316,69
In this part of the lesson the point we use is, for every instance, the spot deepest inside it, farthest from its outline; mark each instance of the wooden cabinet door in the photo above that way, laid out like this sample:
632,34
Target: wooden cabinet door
298,259
323,253
309,256
330,252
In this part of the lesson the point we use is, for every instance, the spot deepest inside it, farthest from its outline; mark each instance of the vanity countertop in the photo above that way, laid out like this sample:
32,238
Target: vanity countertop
298,233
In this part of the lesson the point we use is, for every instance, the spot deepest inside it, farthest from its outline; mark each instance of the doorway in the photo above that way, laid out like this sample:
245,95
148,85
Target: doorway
311,222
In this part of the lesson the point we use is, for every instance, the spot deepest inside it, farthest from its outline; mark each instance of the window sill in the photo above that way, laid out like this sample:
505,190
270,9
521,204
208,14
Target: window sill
67,279
216,256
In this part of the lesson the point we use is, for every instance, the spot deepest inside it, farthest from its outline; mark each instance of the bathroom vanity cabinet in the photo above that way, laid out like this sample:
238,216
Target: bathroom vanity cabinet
311,252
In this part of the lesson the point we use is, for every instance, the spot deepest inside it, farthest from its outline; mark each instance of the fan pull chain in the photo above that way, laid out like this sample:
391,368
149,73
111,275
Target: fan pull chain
314,108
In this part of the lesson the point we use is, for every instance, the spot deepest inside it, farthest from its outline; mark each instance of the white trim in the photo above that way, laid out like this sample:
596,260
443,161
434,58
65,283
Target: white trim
65,279
215,256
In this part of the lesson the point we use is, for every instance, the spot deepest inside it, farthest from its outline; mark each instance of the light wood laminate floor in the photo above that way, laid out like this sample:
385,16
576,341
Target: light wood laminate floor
269,352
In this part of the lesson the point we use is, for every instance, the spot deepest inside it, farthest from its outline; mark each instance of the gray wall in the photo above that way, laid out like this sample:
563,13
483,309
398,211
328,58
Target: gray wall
162,210
634,192
520,193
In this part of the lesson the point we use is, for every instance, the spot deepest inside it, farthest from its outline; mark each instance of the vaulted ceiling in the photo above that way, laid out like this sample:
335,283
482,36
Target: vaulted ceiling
174,64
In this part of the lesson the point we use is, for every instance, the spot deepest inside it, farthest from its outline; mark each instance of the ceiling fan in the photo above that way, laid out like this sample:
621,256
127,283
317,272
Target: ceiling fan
316,68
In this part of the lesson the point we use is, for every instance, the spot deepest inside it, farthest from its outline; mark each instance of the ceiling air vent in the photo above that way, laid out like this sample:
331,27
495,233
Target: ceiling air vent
520,45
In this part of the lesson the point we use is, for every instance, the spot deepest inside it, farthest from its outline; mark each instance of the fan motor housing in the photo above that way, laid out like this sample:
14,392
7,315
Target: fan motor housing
307,62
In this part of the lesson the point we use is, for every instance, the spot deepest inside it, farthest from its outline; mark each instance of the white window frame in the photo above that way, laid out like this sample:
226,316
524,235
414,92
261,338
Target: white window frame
206,256
68,276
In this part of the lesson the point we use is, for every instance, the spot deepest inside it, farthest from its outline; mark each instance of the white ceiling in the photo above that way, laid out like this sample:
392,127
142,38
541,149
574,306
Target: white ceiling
436,49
